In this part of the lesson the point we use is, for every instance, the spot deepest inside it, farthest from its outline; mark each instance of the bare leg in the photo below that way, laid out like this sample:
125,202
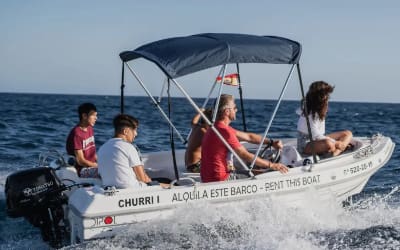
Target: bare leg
343,139
320,147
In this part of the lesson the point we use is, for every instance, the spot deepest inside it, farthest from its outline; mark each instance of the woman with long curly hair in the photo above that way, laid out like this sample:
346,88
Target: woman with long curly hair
317,108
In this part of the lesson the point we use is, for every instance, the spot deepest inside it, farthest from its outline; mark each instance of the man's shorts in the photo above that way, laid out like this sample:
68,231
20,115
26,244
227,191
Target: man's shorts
302,141
194,168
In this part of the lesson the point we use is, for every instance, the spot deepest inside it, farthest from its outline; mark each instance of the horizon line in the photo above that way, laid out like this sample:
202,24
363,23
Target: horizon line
197,97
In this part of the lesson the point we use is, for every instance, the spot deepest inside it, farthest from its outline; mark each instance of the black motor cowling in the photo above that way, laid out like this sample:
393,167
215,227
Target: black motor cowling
26,190
37,194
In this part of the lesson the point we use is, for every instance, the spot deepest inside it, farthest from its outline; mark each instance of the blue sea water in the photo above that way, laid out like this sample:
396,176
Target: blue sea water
32,123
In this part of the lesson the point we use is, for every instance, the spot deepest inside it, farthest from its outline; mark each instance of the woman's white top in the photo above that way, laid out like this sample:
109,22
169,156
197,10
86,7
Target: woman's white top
317,125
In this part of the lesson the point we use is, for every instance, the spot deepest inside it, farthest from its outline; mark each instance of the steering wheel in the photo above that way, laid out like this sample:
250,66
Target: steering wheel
270,154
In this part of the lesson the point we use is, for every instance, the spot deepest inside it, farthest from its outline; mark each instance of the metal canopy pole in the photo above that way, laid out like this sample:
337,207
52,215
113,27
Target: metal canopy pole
272,117
207,99
171,133
211,126
122,88
241,99
304,104
219,95
213,87
162,90
155,103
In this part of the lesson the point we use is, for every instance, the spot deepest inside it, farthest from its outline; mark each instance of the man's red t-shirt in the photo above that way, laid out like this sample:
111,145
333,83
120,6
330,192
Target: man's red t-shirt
82,140
214,153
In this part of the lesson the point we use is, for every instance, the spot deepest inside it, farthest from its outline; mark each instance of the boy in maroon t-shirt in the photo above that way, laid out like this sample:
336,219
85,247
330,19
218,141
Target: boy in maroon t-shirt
81,144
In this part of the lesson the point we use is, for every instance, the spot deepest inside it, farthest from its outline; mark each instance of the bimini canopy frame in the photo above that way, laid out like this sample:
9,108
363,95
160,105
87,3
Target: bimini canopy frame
180,56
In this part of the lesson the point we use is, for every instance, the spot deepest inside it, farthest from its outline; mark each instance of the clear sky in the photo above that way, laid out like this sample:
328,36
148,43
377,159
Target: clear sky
72,47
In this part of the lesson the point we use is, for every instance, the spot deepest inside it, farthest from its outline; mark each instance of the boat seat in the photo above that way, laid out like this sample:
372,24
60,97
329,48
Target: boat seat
68,176
194,176
290,156
356,144
184,181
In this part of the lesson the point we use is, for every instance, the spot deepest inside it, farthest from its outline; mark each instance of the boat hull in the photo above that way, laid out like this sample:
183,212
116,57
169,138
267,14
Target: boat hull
94,212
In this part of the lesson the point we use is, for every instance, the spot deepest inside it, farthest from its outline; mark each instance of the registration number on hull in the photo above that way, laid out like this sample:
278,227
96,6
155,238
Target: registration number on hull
359,168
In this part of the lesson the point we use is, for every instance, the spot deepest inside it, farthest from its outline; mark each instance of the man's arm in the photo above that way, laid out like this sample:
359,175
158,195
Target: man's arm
248,157
196,118
141,174
256,139
80,159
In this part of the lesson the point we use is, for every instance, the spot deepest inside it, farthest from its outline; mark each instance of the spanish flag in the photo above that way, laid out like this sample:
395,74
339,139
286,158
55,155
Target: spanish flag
231,79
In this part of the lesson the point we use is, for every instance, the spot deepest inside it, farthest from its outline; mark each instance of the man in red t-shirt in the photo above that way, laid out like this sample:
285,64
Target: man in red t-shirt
214,154
81,144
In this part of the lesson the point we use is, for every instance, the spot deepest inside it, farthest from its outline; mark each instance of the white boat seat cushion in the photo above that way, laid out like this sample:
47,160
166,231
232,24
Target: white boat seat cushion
290,156
68,175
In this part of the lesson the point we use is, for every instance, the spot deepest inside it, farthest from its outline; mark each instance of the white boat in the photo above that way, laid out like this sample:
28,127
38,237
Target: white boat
82,209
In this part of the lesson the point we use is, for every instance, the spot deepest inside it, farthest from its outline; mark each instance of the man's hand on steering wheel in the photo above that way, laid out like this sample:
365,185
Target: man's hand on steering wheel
277,144
279,167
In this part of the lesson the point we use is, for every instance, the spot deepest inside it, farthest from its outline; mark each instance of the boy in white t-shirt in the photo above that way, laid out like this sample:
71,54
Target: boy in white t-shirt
119,161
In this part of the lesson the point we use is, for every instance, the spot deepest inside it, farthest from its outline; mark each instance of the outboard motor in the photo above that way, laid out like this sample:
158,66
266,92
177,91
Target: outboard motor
37,194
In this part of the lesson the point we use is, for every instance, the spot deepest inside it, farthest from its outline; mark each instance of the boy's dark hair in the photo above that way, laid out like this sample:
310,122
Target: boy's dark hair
86,108
122,121
208,114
